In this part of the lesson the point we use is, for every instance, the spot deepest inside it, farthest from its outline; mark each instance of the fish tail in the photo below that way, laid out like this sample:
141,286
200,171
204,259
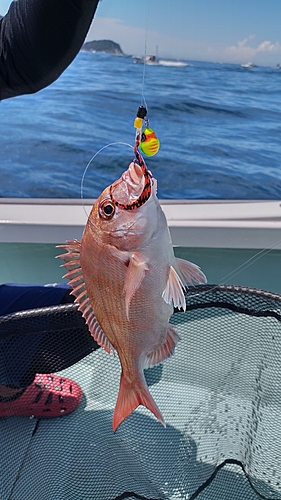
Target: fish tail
130,396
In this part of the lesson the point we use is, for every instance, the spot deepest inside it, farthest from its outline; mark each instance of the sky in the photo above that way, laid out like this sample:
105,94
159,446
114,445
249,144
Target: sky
236,31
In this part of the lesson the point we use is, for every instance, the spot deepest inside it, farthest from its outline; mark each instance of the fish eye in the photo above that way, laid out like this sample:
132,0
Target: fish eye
107,209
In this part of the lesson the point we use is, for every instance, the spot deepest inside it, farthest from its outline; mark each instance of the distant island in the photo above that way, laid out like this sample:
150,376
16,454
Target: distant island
106,46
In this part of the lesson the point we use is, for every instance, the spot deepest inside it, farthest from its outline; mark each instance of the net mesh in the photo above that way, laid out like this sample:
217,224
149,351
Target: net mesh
220,395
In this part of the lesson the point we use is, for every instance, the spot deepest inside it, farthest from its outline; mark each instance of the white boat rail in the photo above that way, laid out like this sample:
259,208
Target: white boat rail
202,223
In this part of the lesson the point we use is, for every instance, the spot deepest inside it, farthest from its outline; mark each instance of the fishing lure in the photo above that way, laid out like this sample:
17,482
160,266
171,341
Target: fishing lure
147,189
149,143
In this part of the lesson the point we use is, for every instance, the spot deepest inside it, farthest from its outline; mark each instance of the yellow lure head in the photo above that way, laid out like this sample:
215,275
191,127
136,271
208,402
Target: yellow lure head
138,123
149,144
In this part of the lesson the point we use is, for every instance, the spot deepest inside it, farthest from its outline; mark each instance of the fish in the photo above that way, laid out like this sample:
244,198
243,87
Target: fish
127,282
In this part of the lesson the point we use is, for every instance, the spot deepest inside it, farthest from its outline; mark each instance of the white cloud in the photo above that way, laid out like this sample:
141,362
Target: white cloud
242,51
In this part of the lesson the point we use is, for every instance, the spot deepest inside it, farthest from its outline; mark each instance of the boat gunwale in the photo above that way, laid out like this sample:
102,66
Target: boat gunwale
192,223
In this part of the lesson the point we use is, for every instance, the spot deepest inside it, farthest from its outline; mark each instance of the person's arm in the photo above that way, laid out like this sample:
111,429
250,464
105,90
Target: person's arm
38,40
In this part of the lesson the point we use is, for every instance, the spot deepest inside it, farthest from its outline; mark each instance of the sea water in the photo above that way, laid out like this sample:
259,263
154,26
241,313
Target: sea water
219,127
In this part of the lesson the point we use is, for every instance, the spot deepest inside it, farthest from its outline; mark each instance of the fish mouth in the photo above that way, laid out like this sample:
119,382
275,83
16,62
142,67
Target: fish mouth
133,188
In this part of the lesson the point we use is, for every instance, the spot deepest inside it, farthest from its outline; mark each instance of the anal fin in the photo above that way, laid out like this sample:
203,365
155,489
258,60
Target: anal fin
165,350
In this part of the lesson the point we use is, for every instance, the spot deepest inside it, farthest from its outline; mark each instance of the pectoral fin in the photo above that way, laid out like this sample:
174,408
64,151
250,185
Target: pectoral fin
190,273
173,293
134,276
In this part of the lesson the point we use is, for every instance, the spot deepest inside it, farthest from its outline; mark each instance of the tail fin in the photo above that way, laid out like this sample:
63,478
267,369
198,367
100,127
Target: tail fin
130,396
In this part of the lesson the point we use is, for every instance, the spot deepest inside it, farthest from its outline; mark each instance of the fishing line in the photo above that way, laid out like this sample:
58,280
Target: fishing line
89,163
249,262
145,55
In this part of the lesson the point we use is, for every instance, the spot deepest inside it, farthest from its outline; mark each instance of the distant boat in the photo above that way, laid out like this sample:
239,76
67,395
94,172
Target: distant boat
278,66
146,60
154,61
248,65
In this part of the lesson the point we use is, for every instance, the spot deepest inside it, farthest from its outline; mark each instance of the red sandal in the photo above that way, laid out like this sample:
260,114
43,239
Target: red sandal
48,396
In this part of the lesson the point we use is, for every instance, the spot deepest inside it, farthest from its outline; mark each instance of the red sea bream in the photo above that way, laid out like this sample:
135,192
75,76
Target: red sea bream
127,282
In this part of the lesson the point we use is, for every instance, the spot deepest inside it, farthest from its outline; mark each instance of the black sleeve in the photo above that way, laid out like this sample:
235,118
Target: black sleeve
38,40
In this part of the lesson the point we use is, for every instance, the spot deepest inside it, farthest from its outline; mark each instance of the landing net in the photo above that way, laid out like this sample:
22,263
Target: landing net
220,395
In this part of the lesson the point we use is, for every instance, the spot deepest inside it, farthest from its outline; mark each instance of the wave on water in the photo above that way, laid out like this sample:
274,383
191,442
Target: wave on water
218,124
175,64
198,108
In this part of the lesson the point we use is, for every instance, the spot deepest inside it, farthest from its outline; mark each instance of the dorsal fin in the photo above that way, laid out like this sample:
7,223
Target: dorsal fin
79,290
